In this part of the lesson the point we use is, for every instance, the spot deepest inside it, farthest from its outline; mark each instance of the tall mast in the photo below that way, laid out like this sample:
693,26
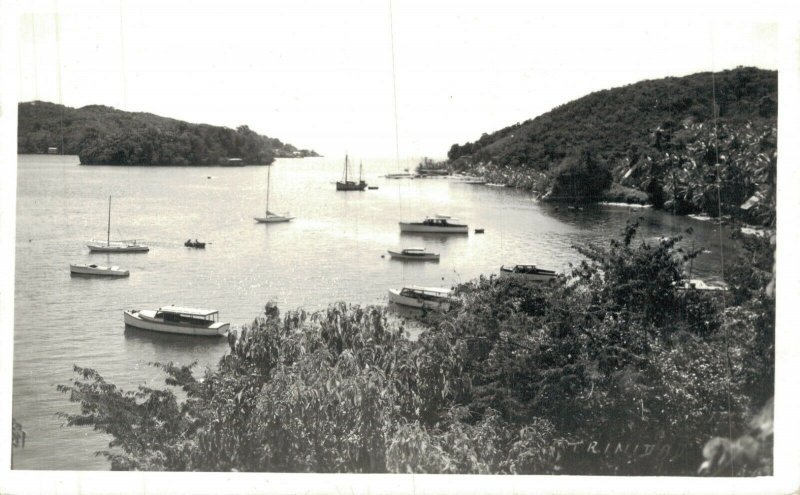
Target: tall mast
269,170
360,169
345,169
108,230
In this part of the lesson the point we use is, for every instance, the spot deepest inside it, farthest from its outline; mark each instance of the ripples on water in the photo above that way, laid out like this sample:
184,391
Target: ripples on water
332,251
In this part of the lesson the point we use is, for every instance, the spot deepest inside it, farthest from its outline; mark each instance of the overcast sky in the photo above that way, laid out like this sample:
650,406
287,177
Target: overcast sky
318,74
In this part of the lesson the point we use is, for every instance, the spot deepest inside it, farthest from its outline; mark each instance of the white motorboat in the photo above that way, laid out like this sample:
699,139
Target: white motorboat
125,246
109,271
180,320
431,298
270,217
528,272
698,284
414,254
439,224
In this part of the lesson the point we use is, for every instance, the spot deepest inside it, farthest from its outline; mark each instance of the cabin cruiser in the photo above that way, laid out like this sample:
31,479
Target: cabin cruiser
180,320
440,224
528,272
432,298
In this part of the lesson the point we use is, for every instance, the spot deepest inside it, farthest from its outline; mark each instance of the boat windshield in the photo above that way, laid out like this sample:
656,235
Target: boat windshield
191,318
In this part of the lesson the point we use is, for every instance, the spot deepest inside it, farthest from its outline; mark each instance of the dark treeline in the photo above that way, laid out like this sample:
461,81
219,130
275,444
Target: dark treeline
103,135
611,369
651,140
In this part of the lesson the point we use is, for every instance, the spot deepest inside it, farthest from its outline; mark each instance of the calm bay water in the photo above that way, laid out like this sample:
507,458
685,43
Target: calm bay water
332,251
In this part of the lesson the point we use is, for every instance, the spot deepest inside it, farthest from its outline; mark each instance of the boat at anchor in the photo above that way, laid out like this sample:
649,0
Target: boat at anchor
124,246
414,254
176,319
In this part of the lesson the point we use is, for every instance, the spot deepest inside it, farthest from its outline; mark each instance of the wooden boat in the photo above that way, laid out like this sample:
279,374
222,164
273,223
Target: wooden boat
194,244
180,320
270,217
414,254
349,185
107,271
439,224
430,298
528,272
405,175
125,246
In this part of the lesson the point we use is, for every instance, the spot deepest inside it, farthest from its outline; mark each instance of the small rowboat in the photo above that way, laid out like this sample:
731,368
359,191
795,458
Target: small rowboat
414,254
108,271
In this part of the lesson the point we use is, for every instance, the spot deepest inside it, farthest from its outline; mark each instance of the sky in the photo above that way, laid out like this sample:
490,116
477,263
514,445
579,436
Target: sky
372,78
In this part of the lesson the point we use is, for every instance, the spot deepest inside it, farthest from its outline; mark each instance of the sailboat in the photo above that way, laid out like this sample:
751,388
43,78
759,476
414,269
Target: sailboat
349,185
270,217
126,246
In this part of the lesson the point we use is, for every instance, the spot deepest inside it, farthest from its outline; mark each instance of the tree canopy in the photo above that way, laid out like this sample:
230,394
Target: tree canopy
675,138
104,135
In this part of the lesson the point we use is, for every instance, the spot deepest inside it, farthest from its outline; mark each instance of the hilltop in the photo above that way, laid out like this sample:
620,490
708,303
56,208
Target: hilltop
649,141
103,135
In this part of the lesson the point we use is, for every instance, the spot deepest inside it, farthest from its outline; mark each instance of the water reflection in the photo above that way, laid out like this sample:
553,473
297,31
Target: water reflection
138,338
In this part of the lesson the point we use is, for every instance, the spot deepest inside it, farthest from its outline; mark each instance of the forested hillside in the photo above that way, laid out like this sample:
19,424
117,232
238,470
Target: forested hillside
104,135
657,137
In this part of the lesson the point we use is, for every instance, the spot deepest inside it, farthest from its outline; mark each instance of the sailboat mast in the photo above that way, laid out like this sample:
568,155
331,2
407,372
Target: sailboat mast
345,169
269,170
108,230
360,170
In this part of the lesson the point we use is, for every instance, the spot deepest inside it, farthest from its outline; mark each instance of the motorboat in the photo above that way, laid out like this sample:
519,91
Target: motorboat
430,298
270,217
176,319
194,244
528,272
414,254
439,224
108,271
125,246
349,185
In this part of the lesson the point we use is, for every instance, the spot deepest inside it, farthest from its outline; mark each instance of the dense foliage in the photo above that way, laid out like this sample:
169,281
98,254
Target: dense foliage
613,369
103,135
655,136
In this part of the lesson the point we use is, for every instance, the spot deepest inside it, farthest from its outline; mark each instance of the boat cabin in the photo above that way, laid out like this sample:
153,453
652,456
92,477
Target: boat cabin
529,269
191,316
440,222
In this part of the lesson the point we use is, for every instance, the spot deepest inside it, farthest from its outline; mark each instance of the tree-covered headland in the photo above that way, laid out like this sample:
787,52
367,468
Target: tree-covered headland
667,141
615,368
102,135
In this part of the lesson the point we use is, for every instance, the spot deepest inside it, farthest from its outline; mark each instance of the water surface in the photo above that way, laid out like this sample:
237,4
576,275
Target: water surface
334,250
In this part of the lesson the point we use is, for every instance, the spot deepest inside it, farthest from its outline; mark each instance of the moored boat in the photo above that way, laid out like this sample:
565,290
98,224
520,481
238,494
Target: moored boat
430,298
180,320
439,224
194,244
414,254
528,272
270,217
108,271
349,185
125,246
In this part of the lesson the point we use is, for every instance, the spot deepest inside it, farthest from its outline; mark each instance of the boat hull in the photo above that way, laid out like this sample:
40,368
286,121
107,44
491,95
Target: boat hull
395,297
414,257
133,318
273,219
530,277
102,271
129,248
433,229
351,186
